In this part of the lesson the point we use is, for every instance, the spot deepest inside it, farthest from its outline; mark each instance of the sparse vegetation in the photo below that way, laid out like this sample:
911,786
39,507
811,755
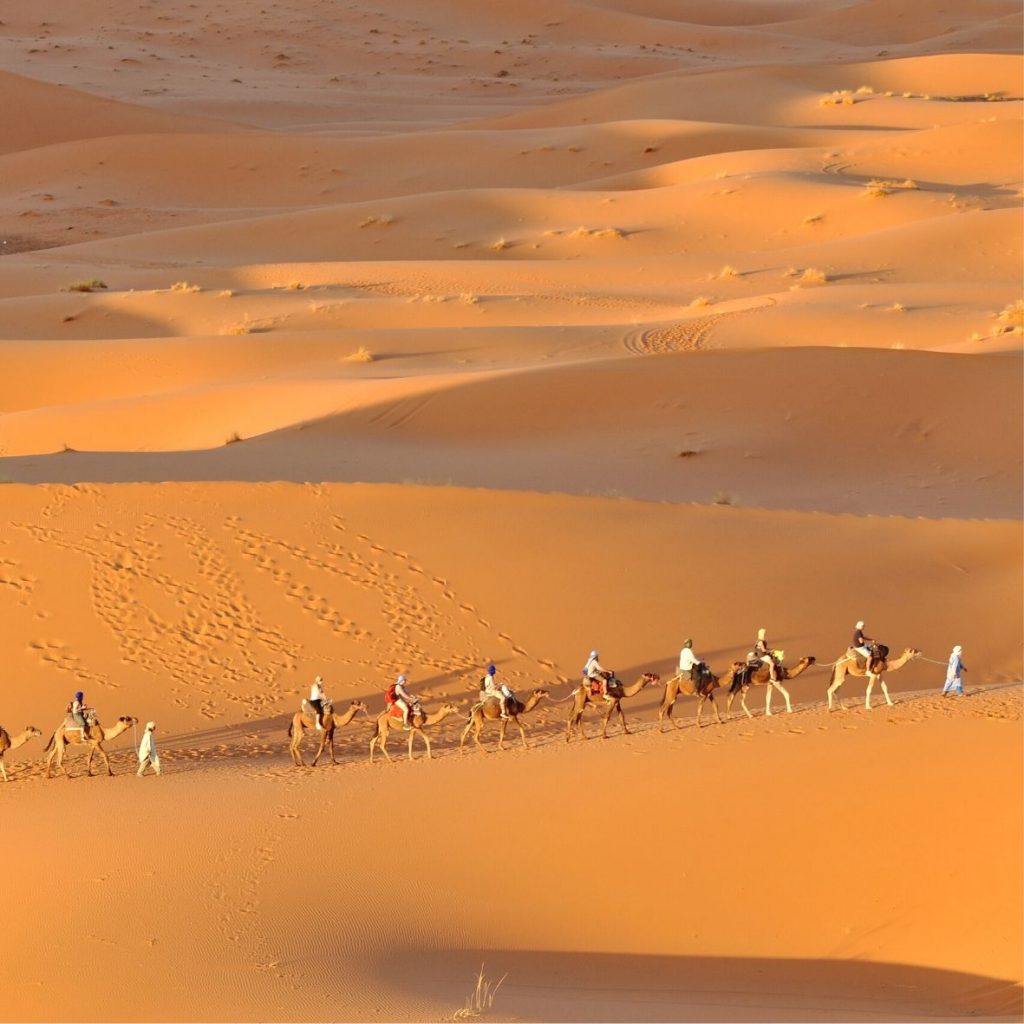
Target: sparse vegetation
381,220
812,276
1011,318
815,218
724,498
878,187
184,286
482,997
469,298
227,293
295,286
499,245
361,355
838,98
92,285
582,232
702,300
687,453
896,307
234,438
728,271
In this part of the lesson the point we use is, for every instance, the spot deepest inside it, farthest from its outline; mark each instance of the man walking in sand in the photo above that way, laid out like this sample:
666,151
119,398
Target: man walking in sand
147,751
954,674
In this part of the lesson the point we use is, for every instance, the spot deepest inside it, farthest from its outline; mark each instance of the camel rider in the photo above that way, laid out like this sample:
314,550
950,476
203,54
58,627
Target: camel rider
78,713
763,654
404,701
593,671
862,644
490,687
317,699
688,661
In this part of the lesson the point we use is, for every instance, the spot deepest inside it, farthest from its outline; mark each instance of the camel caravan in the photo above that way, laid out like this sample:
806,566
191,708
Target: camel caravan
599,690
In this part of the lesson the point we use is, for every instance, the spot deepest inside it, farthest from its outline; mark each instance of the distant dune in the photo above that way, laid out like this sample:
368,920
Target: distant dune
398,338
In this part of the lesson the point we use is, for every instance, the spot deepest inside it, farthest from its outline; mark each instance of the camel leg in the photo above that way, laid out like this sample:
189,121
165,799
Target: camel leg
522,734
501,733
718,717
833,693
622,716
296,753
785,693
885,690
320,748
88,762
768,700
3,769
334,760
867,695
462,738
743,702
106,760
728,703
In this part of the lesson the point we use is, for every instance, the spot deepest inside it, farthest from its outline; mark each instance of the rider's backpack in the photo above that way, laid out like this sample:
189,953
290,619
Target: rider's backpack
390,696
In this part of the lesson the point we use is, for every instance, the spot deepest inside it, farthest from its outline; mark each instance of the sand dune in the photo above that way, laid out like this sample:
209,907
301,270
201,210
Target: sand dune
362,339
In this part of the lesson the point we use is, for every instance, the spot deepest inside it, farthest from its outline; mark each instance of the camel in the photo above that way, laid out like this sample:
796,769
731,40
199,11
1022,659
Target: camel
9,742
739,682
94,739
850,665
583,697
419,720
303,722
681,683
489,710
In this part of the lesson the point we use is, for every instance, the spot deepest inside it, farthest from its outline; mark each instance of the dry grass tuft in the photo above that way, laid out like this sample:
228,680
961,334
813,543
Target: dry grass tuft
227,293
724,498
582,232
382,220
896,307
839,98
811,276
481,999
185,286
234,438
865,90
1011,318
295,286
728,271
469,298
702,300
361,355
499,245
815,218
92,285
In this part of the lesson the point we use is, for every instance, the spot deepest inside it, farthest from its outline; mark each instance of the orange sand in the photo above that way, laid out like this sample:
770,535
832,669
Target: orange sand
428,335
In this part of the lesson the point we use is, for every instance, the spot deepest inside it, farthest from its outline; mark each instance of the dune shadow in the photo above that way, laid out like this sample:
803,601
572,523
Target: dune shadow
583,986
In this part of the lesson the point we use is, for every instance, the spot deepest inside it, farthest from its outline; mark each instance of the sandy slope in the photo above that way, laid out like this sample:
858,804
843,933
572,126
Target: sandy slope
213,605
568,322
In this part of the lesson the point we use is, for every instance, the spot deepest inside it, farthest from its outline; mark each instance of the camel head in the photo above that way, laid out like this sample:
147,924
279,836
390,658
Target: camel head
359,706
450,709
127,720
651,677
31,731
539,694
912,652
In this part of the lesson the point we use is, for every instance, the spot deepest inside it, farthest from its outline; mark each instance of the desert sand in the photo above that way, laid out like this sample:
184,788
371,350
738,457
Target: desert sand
381,338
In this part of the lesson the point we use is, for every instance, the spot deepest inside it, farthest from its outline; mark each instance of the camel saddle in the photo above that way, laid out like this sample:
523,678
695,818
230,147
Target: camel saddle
308,709
879,654
613,684
70,725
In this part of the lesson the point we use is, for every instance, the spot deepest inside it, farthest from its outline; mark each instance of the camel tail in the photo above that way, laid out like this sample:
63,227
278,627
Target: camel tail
291,725
49,746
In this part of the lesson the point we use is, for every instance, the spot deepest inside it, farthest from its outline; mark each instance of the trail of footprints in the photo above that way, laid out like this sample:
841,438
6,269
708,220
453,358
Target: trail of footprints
203,634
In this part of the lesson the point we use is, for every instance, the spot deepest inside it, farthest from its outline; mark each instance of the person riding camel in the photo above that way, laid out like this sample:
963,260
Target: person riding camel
402,699
862,644
689,663
78,712
593,672
317,699
763,654
490,687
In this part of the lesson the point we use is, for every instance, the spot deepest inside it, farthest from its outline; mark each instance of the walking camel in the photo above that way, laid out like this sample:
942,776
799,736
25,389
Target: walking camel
583,697
851,665
94,737
681,683
419,721
739,681
9,742
489,710
302,722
